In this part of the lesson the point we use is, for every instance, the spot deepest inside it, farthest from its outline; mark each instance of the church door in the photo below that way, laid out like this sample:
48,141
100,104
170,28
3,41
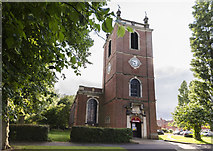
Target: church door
136,127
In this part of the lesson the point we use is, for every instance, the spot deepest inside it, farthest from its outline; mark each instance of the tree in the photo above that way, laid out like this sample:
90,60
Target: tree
58,115
183,94
40,39
35,117
192,114
199,109
201,45
183,100
200,93
201,41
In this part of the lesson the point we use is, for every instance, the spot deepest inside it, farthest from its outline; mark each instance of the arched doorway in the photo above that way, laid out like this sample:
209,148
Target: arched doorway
136,126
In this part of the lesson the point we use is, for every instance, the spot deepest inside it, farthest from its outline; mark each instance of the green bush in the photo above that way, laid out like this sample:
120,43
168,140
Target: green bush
164,130
170,131
26,132
100,135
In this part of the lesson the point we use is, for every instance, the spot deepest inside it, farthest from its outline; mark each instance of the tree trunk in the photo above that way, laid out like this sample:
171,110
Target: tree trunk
197,129
5,134
4,144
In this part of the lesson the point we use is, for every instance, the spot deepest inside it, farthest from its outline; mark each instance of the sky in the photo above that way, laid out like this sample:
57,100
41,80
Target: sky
171,50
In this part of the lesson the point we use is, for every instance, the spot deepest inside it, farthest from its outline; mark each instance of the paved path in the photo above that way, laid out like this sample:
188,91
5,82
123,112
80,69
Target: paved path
160,144
141,144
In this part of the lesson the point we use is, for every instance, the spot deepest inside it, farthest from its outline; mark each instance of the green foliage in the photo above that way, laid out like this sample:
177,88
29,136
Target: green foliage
193,114
107,25
201,41
199,93
41,39
201,45
56,115
170,131
23,132
100,135
183,94
122,30
53,118
129,29
66,100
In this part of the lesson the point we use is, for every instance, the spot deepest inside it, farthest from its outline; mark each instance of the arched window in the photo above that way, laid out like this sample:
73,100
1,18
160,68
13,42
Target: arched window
92,111
109,49
134,40
135,88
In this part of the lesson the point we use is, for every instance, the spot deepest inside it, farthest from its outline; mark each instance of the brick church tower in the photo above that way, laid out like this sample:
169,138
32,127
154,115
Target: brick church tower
127,99
128,80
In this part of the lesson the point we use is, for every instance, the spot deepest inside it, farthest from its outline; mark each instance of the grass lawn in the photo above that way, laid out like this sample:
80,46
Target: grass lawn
83,148
180,138
59,135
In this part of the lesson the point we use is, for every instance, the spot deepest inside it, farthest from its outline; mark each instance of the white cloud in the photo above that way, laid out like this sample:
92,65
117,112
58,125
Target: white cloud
168,81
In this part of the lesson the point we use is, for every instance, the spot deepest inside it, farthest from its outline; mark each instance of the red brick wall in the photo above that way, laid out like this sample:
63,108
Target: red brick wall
153,123
116,84
117,112
81,109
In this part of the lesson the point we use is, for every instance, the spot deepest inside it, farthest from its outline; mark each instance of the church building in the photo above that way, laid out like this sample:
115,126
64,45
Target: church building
127,97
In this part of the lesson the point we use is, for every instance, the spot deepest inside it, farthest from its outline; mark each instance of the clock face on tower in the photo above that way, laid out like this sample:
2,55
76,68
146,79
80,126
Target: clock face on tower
135,62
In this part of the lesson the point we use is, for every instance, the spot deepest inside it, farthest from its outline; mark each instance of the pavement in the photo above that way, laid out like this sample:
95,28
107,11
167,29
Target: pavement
170,145
136,144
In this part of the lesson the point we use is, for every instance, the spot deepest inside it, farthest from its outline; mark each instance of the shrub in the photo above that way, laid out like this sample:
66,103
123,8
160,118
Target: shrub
26,132
100,135
170,131
164,130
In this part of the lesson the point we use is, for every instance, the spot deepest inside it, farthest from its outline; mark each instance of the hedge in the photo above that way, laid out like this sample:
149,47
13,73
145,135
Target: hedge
100,135
26,132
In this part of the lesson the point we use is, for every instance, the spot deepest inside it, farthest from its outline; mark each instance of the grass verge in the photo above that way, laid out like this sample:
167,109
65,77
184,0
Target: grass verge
182,139
83,148
59,135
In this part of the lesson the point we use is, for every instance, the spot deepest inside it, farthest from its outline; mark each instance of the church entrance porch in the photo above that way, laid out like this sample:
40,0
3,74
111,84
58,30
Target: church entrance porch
136,120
